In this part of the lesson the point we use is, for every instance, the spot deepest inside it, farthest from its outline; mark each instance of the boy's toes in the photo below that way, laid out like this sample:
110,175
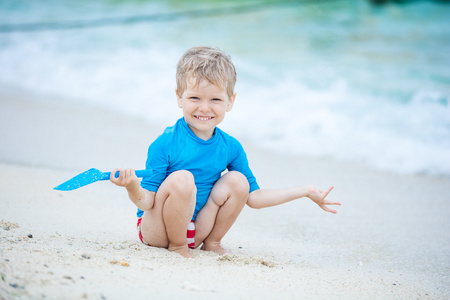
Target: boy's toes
215,247
182,250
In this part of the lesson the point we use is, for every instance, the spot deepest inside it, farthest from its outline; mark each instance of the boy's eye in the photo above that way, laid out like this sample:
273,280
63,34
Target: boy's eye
194,98
216,99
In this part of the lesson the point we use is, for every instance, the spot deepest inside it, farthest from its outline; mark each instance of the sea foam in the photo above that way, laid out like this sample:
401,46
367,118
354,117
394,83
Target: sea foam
358,97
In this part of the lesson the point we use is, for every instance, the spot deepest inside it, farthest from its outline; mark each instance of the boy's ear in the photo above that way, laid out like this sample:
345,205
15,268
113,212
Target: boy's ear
231,102
179,99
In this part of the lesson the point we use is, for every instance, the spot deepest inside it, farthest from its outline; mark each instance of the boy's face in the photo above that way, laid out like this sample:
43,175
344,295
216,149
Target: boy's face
204,107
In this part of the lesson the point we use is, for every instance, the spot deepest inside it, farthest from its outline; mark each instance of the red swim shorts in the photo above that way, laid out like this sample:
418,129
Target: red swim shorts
190,234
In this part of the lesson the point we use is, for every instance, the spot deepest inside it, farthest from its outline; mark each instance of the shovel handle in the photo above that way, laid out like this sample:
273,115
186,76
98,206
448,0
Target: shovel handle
139,173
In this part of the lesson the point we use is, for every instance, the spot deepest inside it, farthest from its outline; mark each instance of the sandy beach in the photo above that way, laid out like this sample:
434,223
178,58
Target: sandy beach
389,240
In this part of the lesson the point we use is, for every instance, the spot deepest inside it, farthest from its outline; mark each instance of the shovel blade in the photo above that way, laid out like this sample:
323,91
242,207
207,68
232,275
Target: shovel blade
85,178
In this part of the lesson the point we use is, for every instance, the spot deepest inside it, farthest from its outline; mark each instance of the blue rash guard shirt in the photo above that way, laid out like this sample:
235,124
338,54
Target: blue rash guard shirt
178,148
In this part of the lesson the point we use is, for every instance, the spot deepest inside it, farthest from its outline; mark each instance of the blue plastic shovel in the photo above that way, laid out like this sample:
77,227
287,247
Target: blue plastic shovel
93,175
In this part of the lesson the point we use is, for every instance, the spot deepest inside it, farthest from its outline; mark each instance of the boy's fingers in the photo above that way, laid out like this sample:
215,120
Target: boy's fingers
129,173
122,174
332,203
329,190
325,208
112,177
123,177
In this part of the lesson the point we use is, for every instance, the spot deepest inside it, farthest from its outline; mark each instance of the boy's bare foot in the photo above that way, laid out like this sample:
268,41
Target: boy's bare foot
182,250
216,247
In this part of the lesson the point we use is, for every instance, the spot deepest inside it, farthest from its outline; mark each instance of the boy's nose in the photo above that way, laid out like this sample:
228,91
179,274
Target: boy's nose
204,106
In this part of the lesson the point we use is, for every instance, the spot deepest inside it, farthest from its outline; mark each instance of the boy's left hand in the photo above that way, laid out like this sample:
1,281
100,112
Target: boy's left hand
318,196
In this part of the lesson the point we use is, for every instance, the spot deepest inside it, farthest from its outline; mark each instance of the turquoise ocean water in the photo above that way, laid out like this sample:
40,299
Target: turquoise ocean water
338,79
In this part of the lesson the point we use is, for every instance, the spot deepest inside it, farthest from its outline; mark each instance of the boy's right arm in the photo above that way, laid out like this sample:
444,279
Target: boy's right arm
142,198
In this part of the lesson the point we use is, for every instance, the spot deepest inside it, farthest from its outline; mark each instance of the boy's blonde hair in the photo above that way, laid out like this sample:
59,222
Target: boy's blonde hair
206,63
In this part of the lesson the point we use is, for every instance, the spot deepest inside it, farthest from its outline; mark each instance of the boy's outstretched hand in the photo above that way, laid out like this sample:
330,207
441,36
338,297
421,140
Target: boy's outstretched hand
319,197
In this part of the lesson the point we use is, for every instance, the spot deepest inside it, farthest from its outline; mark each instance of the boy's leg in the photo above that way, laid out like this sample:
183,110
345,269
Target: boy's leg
165,225
225,202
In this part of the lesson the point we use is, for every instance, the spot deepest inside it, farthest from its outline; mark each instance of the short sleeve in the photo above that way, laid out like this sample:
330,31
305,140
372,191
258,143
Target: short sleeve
157,160
239,162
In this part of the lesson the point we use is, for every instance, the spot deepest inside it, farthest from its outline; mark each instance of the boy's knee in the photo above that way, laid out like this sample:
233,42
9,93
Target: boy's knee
182,181
238,182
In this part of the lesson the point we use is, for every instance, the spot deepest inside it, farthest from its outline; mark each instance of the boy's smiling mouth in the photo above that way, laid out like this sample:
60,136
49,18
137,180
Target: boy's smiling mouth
203,118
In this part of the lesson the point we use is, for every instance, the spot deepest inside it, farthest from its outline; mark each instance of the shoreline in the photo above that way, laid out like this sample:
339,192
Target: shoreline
389,238
98,116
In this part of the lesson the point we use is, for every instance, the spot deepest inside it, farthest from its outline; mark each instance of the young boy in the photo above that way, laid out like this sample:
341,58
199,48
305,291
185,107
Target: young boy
188,194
